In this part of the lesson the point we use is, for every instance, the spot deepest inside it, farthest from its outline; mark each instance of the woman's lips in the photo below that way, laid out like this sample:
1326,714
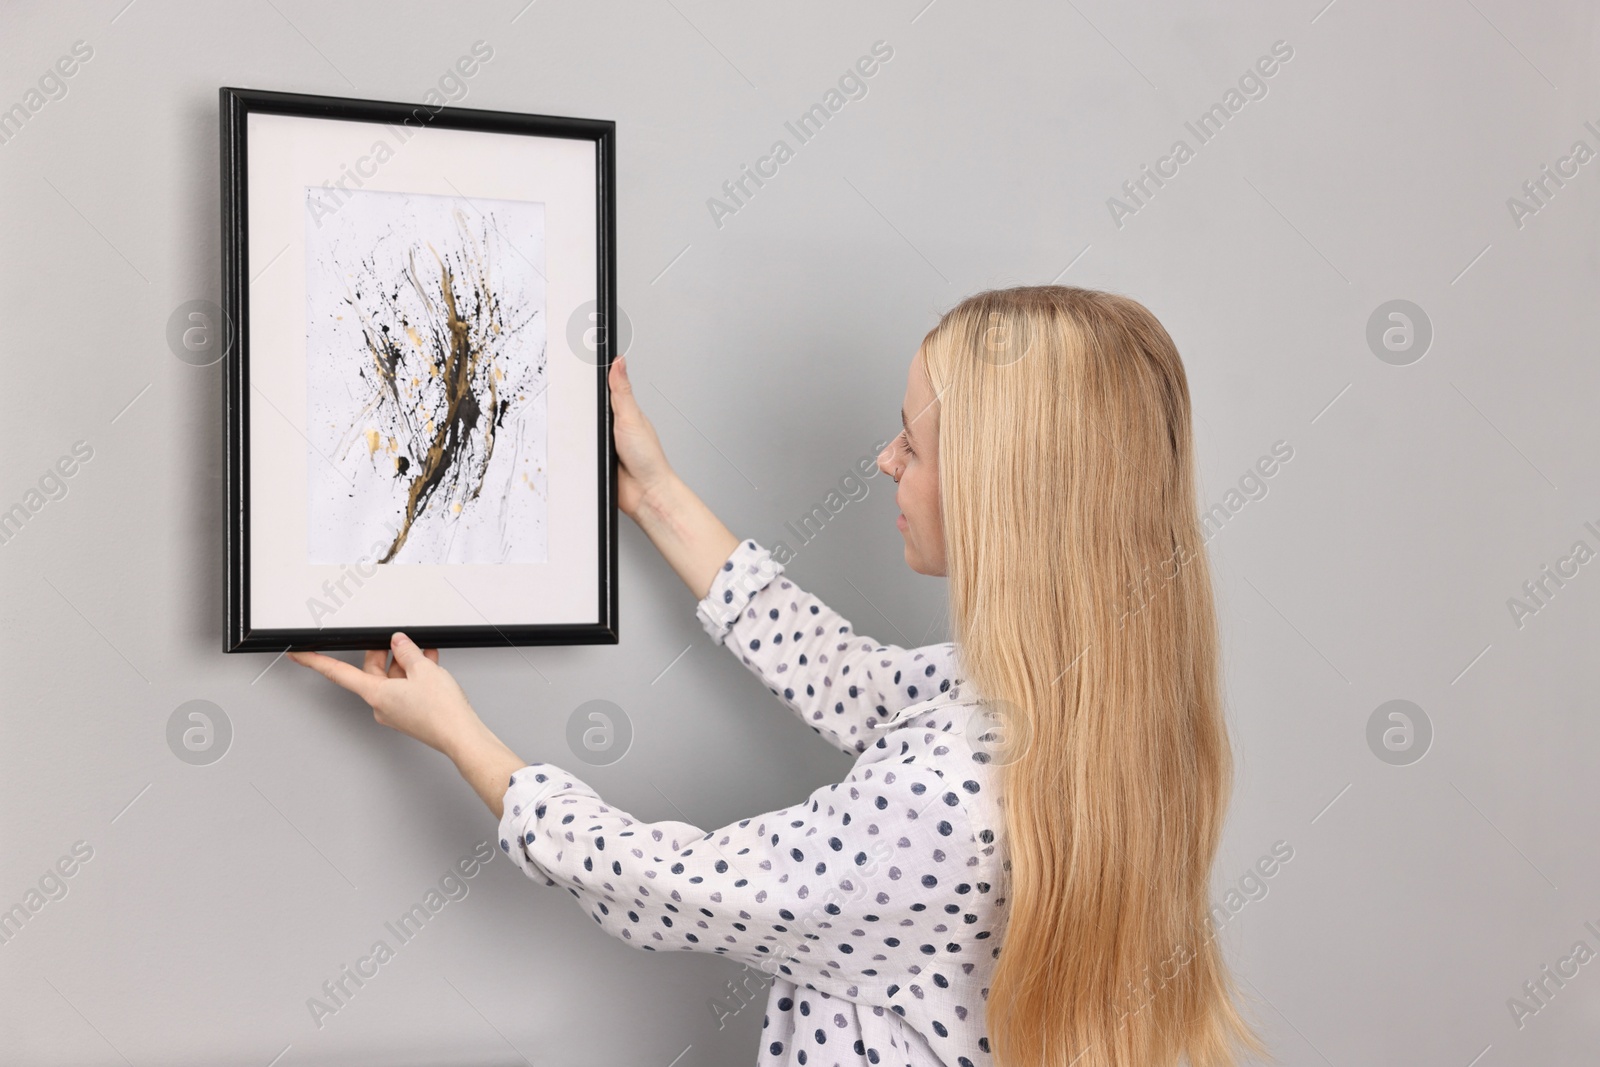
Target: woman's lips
901,521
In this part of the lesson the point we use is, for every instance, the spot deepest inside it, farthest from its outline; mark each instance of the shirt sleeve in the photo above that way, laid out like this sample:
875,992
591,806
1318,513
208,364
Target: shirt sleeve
829,882
841,684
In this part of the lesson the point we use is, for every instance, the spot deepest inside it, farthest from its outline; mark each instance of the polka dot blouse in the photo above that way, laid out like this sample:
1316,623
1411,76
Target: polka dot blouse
875,905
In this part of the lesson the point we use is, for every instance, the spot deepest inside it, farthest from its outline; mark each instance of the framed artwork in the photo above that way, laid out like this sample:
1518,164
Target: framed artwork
418,425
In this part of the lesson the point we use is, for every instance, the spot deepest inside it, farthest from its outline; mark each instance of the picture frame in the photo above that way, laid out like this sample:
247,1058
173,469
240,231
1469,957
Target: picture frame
418,429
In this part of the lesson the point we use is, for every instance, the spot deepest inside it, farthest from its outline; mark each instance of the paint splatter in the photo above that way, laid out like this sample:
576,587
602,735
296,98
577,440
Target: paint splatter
426,364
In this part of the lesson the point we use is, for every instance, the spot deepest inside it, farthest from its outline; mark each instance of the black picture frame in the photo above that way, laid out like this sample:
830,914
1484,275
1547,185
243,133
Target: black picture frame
242,634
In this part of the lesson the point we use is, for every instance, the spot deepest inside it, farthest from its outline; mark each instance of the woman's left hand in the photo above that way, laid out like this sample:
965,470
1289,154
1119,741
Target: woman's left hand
413,694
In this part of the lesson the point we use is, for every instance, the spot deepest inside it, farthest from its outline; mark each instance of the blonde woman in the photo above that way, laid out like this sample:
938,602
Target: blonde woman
1016,869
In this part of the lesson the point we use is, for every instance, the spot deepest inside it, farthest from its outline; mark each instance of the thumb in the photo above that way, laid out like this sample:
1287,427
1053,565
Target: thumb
620,383
406,652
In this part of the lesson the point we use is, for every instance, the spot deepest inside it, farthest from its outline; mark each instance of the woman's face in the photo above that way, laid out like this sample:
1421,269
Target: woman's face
912,460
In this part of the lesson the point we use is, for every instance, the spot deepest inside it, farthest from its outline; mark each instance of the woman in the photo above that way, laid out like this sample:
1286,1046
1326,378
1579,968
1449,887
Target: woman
1035,894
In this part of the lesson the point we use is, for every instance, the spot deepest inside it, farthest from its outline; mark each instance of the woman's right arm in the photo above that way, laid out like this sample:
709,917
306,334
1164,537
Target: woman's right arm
842,684
686,532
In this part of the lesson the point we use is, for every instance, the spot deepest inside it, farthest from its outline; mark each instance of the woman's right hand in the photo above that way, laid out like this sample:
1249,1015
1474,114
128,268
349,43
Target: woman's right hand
641,463
650,493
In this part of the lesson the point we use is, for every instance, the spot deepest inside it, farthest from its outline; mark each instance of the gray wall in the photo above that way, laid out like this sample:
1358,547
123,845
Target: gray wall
771,352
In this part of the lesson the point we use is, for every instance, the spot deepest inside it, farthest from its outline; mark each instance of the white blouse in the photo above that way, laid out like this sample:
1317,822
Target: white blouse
876,904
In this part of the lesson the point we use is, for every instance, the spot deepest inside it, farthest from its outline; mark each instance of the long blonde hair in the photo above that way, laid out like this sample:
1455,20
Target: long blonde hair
1080,601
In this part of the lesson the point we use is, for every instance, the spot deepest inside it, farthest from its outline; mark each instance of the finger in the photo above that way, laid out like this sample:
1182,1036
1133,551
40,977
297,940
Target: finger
431,653
374,660
340,673
406,653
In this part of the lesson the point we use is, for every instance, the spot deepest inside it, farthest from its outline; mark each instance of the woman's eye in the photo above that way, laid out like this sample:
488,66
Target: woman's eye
905,440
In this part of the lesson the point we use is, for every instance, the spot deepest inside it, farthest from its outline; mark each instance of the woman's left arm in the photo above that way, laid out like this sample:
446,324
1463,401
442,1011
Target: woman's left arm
823,875
416,696
889,854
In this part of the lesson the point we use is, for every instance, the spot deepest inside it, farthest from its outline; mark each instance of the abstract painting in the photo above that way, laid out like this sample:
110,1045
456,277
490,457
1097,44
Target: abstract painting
426,378
418,433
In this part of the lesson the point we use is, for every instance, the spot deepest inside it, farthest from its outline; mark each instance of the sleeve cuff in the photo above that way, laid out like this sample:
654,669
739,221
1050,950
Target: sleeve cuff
522,803
748,570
